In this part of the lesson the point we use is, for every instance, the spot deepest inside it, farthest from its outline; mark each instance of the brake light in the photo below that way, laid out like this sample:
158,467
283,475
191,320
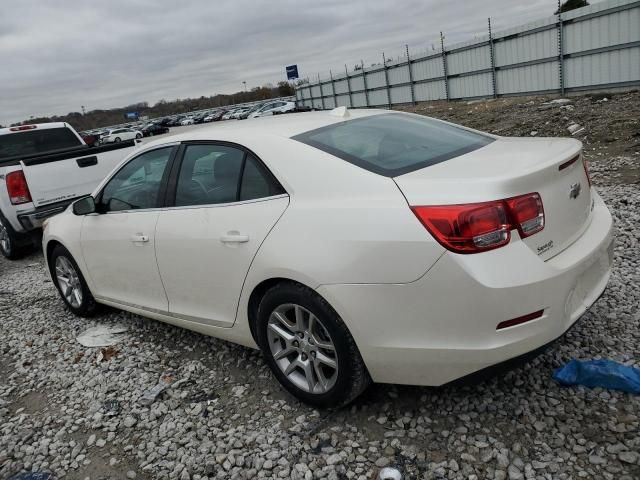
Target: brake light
586,171
22,128
17,188
527,213
479,227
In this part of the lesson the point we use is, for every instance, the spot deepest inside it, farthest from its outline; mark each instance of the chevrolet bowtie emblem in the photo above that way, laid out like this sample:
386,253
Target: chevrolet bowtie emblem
574,190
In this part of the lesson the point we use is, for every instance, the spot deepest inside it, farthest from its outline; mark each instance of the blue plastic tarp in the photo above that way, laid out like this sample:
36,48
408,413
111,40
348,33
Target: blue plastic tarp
599,373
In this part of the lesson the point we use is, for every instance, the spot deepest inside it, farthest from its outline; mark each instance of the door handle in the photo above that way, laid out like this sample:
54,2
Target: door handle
234,237
139,238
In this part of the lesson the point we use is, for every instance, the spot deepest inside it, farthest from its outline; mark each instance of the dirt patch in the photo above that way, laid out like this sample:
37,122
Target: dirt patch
608,125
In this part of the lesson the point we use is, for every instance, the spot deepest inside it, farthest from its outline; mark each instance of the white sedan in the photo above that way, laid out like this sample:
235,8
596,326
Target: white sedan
273,108
349,247
119,135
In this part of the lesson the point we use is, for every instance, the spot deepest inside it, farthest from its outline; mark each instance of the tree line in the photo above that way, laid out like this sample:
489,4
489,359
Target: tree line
104,118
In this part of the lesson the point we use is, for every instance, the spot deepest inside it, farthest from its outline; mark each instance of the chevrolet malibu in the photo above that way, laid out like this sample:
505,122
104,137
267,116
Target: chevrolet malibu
350,246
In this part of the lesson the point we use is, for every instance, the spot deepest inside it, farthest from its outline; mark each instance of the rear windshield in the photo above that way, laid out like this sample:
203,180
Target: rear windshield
36,141
394,143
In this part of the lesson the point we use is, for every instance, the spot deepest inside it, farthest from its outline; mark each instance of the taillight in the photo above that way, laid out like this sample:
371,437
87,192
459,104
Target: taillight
479,227
527,213
22,128
17,188
586,171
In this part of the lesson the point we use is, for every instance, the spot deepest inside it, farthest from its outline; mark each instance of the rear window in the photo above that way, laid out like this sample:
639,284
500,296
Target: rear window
36,141
393,144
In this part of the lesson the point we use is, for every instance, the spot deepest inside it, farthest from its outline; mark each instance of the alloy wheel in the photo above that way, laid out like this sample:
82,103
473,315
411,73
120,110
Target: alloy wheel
302,348
69,282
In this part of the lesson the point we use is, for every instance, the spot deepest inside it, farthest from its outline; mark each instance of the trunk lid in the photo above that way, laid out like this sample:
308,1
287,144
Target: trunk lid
509,167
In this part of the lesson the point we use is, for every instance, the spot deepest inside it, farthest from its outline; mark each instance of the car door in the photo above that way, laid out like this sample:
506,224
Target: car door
118,242
225,203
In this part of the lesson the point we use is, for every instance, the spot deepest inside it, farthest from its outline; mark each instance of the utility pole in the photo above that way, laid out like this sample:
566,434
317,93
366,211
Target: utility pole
245,85
82,107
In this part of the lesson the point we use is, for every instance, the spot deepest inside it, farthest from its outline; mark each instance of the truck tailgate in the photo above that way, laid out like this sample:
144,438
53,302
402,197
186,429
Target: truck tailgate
56,180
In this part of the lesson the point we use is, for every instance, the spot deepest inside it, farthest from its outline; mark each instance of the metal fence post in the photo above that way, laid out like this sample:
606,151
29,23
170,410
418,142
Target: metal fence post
346,71
364,82
444,66
560,52
321,94
413,95
386,80
333,90
493,61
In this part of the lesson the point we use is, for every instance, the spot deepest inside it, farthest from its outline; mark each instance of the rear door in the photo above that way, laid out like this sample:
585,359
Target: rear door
118,242
225,203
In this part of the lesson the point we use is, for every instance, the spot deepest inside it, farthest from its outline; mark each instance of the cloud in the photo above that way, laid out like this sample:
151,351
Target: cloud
57,56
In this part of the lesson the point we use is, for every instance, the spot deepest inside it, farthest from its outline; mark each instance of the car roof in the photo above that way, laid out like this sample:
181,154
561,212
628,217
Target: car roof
286,125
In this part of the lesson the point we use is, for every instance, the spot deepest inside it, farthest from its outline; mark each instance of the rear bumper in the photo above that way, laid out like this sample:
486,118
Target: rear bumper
33,220
443,326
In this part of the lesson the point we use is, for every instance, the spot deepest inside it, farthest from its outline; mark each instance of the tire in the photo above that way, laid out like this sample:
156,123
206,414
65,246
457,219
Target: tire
138,135
304,355
12,246
62,264
151,134
117,140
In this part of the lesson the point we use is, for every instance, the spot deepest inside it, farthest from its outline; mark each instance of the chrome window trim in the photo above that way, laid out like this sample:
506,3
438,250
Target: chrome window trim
210,205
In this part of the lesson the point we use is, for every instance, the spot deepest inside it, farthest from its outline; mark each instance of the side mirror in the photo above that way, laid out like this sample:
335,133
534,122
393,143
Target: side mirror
84,206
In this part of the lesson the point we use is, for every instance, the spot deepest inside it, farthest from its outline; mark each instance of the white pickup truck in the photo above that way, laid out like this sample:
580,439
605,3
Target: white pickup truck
44,168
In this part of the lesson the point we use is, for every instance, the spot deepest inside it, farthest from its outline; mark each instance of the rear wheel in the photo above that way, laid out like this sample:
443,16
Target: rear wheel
70,283
117,140
10,245
138,135
309,348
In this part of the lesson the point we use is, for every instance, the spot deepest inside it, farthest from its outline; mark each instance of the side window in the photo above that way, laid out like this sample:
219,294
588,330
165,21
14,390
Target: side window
257,182
209,174
137,185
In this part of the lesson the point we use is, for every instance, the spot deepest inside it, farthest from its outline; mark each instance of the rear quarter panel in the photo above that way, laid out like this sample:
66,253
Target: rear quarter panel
343,225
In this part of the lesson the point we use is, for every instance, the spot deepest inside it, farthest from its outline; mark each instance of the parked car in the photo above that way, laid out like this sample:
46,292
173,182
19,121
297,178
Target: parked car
245,114
238,112
187,121
395,248
120,134
214,116
91,139
228,114
43,168
154,129
274,108
198,119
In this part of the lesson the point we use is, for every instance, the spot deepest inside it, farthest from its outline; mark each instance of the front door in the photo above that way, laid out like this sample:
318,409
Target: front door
118,242
226,202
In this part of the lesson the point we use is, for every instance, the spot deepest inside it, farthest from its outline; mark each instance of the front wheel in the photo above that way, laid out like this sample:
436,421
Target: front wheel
117,140
309,348
71,284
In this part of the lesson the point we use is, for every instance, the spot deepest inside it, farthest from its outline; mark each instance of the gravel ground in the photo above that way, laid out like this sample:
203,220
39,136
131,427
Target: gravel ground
75,411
